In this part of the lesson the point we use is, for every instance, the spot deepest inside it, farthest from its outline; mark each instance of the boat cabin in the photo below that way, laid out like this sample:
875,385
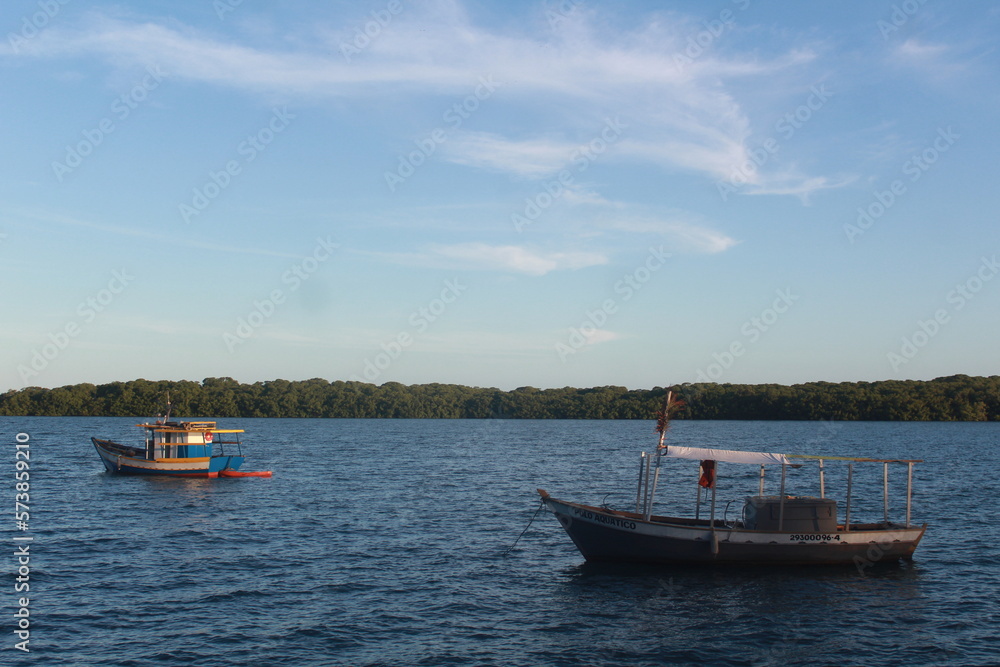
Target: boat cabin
186,440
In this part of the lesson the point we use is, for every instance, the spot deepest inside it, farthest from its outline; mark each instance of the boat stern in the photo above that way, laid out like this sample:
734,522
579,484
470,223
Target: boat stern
220,463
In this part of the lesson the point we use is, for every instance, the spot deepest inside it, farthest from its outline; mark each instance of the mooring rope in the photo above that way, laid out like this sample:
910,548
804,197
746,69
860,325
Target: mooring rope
511,548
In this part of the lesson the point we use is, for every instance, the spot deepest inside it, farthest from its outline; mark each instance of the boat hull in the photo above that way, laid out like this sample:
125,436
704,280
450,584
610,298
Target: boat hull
605,535
124,460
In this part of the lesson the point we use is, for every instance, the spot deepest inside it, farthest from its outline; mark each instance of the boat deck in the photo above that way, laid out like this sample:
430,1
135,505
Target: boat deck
719,523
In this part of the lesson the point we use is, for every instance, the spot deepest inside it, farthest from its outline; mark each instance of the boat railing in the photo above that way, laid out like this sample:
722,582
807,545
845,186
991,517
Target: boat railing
219,445
650,467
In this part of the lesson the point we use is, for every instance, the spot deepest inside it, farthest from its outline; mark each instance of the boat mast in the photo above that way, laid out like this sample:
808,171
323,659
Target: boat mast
662,425
663,419
163,419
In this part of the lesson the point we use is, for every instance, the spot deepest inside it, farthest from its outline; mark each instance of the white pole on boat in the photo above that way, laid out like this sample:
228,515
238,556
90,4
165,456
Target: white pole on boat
781,502
645,494
760,485
909,490
850,480
638,490
652,494
697,498
822,480
885,493
715,479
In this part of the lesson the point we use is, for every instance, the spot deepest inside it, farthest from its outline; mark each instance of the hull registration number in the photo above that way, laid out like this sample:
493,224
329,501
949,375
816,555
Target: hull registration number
813,537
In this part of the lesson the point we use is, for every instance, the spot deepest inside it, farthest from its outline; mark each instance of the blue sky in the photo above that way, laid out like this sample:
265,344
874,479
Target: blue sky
498,193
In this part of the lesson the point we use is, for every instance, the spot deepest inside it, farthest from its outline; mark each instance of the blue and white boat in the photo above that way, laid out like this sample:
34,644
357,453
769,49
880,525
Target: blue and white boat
185,449
180,449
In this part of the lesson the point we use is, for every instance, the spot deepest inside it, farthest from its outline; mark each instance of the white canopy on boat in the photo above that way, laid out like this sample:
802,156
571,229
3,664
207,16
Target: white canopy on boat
724,455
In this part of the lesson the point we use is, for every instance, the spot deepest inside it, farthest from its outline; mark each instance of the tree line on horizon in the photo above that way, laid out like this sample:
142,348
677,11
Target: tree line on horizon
954,398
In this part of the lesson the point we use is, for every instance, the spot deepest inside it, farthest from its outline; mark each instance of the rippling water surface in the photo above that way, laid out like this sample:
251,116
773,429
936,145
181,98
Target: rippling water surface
380,542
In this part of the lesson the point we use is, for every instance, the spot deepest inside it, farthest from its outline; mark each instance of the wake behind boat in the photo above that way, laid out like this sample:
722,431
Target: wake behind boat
779,529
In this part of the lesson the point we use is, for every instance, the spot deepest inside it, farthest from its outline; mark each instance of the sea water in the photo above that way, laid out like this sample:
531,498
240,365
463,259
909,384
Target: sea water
382,542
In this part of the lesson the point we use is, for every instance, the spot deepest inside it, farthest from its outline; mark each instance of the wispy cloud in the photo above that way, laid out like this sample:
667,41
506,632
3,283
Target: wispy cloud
679,118
531,158
801,187
516,259
581,195
939,63
915,51
597,336
502,258
681,236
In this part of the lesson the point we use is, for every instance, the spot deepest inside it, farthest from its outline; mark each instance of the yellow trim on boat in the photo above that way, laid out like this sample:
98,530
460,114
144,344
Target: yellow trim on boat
189,427
198,459
199,430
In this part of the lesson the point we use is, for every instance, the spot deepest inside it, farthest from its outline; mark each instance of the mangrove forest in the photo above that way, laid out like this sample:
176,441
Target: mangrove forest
954,398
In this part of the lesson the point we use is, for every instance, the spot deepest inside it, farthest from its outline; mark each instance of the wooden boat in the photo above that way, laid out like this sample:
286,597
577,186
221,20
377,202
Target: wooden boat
181,449
779,529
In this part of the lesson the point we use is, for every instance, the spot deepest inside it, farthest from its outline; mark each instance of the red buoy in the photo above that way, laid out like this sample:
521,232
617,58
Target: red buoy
241,473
